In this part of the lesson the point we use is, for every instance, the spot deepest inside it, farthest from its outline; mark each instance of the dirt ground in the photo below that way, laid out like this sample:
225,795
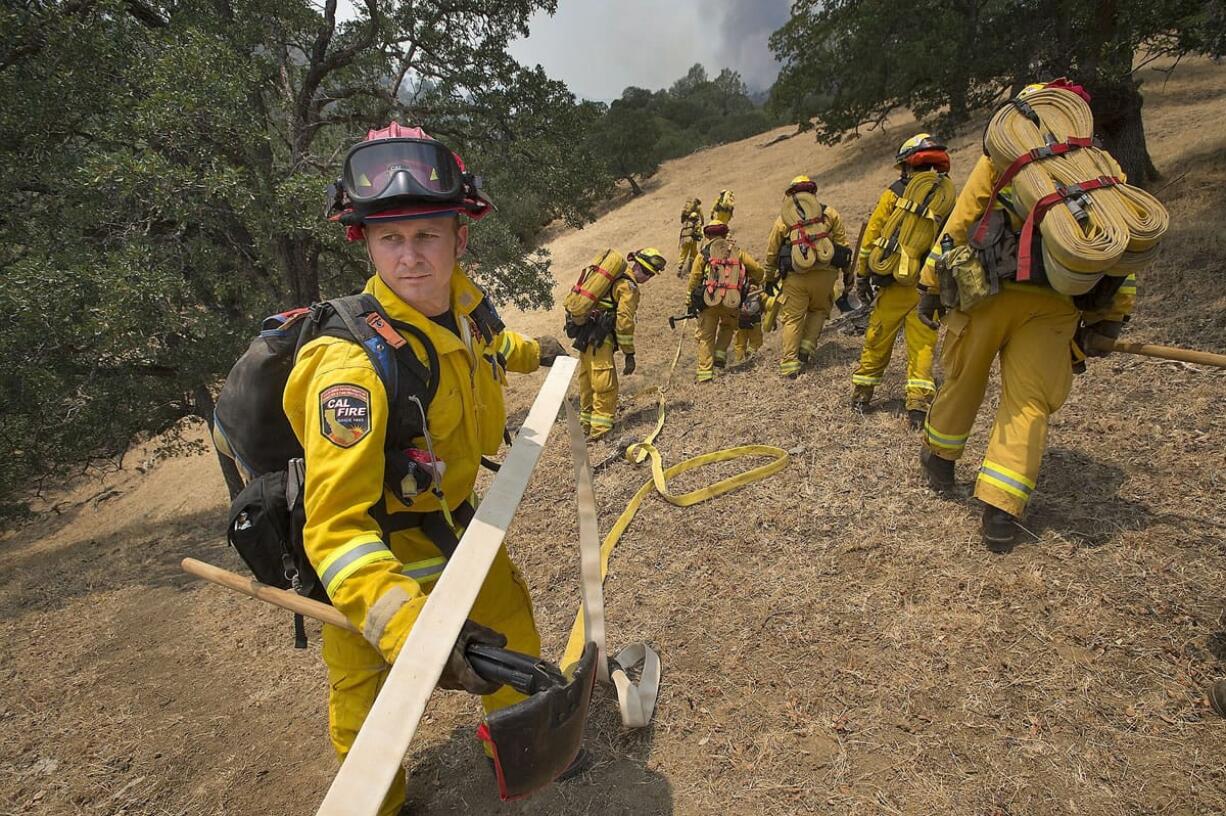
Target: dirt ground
835,639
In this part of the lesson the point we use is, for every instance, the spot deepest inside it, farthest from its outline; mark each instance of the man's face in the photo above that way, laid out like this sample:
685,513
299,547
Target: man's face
641,277
415,258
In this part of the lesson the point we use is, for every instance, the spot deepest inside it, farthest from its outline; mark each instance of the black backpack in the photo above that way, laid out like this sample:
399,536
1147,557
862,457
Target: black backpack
257,445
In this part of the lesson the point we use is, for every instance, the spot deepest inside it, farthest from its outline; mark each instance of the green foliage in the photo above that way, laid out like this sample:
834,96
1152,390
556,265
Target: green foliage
164,168
644,128
627,140
848,63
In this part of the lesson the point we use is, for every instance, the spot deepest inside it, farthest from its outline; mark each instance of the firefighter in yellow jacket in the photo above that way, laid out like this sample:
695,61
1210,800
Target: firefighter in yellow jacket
721,210
805,295
597,367
711,296
379,545
1030,326
691,235
894,307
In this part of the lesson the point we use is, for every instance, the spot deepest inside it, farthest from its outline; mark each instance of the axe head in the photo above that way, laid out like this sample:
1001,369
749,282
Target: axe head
534,741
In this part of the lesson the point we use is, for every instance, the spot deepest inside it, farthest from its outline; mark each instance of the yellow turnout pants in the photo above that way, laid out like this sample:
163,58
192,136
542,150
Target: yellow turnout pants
746,341
894,310
804,305
1030,327
356,670
716,325
597,389
686,253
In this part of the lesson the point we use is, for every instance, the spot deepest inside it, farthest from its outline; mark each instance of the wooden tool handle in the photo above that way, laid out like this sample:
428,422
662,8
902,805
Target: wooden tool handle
284,598
1161,352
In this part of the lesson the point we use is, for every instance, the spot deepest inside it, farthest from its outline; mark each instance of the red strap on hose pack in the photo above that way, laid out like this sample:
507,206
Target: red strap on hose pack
803,238
1033,155
1025,245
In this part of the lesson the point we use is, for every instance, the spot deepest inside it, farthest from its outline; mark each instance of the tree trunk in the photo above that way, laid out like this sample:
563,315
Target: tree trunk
299,261
1118,122
202,404
958,109
635,189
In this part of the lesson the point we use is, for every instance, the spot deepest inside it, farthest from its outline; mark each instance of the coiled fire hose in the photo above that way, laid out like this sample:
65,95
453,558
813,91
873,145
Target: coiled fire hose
909,231
1092,222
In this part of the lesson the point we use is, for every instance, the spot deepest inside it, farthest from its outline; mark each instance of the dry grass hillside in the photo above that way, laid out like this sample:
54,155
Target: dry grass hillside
835,638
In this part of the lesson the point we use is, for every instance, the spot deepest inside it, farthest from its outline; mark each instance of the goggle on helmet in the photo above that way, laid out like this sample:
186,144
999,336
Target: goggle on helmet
393,177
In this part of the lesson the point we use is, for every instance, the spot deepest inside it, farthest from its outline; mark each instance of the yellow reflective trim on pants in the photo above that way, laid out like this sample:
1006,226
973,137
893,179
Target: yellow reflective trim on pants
937,440
790,367
926,385
601,421
1000,484
1021,479
807,346
344,561
721,354
861,379
625,340
705,376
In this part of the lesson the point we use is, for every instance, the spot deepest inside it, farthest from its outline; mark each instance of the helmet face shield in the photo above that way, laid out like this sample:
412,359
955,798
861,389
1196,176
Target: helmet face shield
402,168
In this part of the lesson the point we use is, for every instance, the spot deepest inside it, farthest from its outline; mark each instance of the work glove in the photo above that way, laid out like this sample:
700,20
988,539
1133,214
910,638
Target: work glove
551,349
773,286
458,674
930,309
1110,329
628,368
864,289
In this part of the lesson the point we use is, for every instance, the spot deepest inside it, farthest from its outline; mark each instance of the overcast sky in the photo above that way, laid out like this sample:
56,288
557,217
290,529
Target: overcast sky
599,47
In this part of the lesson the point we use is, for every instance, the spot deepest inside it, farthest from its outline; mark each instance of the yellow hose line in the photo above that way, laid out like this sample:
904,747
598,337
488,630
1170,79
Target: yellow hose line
916,233
659,483
662,397
1124,224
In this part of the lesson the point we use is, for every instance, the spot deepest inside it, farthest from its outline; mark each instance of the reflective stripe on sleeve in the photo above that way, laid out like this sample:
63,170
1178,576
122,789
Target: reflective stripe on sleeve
424,572
344,561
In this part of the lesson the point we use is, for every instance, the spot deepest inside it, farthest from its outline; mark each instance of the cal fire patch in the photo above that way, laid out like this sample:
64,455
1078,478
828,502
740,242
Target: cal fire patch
344,414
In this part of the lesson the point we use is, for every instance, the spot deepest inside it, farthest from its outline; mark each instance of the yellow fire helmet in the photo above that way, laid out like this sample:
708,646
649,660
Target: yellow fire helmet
1031,88
650,260
918,143
801,184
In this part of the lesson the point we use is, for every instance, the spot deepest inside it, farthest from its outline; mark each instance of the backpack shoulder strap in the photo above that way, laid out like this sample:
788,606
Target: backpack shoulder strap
486,317
360,319
898,186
